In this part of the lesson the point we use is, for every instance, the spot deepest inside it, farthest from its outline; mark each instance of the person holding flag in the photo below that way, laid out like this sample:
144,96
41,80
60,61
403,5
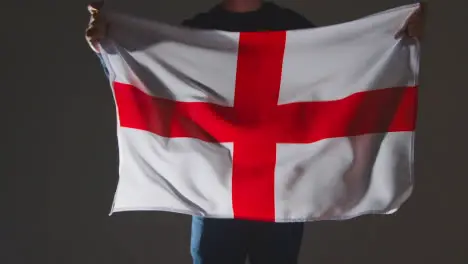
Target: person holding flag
230,241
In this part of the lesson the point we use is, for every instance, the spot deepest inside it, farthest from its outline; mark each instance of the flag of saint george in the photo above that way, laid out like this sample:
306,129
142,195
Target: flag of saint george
283,126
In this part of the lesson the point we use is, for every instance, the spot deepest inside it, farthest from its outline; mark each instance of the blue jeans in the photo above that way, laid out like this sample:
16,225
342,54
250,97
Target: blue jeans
226,241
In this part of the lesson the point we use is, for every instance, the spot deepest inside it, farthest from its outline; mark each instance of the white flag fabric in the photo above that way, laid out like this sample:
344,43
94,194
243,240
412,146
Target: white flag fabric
283,126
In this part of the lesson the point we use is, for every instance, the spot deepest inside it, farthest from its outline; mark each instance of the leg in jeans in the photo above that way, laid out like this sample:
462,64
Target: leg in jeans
275,243
219,241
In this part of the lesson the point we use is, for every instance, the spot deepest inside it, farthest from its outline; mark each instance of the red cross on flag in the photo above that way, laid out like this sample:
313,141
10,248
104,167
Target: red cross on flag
300,125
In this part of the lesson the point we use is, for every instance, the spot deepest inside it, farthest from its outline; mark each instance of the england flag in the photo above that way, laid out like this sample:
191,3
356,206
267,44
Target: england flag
280,126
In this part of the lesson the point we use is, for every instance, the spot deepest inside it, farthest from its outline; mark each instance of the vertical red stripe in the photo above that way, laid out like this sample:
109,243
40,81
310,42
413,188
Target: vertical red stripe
259,69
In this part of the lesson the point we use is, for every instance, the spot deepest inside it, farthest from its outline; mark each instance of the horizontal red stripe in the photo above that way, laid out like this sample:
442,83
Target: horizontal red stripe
377,111
167,118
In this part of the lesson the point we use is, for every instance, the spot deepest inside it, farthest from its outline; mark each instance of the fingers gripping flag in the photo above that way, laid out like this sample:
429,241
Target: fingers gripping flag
300,125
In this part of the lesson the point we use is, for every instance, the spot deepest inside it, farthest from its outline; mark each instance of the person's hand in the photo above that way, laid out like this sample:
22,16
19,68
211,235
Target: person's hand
97,27
414,25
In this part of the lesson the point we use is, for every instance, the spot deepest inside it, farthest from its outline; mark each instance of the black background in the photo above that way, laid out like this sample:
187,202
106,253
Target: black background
59,152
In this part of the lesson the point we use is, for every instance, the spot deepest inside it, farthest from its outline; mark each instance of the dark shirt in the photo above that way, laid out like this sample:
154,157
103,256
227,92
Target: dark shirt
270,17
